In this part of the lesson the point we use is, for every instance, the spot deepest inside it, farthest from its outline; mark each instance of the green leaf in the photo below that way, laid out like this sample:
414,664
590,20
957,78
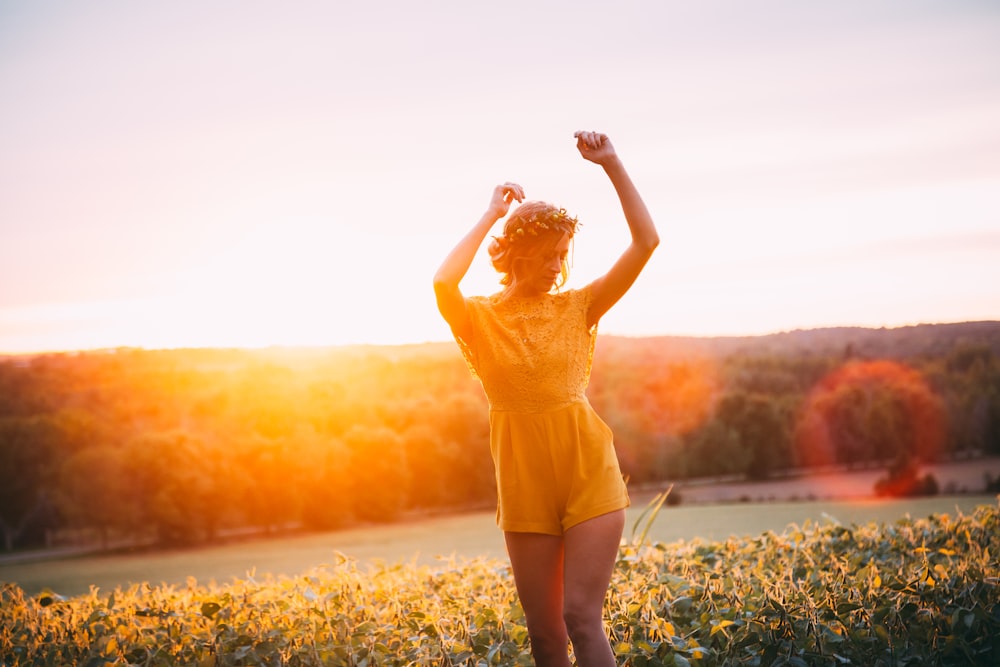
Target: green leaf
719,627
210,609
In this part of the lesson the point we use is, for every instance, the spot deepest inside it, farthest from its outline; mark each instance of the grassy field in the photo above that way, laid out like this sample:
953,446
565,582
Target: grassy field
916,591
427,542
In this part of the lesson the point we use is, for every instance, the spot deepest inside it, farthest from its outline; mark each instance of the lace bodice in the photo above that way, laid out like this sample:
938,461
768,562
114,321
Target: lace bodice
531,353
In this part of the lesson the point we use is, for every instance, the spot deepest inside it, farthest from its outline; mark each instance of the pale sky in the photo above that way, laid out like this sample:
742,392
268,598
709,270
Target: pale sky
255,173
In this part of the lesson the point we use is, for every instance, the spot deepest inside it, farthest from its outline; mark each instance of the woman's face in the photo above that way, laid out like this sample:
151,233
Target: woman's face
538,273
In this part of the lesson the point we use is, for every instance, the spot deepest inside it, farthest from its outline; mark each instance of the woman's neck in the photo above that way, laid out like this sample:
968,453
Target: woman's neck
522,291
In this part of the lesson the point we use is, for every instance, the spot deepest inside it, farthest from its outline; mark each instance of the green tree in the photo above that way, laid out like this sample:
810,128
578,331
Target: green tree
328,490
379,471
971,383
272,469
27,450
92,491
713,449
762,432
176,487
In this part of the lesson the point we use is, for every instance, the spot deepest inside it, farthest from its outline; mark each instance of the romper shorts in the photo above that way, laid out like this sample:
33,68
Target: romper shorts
555,469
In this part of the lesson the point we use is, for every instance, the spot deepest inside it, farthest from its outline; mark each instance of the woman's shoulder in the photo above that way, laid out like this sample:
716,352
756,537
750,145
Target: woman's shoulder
503,301
561,295
479,298
579,292
581,295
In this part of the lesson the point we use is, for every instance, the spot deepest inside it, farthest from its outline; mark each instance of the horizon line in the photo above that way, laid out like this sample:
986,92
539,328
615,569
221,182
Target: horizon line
331,346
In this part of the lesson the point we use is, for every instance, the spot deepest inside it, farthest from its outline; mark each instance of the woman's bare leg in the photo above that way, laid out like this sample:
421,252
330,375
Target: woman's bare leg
591,549
537,562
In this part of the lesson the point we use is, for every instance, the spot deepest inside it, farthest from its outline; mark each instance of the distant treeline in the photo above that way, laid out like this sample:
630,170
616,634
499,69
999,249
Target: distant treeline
182,445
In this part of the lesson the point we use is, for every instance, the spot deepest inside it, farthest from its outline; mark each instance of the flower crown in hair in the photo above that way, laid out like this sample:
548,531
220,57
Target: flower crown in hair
539,223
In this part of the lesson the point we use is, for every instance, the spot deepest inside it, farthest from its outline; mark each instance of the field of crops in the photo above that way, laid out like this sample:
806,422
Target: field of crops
924,591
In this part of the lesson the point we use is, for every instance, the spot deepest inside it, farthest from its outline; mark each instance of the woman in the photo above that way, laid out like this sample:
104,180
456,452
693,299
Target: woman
561,495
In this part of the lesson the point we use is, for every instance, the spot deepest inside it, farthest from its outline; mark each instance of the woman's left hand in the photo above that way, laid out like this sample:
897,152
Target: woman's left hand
595,147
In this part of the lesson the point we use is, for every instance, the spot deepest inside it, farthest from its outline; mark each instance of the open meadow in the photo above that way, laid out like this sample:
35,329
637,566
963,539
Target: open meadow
433,540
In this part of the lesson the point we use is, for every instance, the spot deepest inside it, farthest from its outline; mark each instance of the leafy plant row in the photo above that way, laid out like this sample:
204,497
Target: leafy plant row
914,592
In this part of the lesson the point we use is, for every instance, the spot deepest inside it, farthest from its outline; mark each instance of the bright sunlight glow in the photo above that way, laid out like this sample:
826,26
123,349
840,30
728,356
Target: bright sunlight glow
187,175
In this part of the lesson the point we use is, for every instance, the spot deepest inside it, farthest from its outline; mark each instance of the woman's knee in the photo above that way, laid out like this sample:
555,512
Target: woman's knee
582,619
549,645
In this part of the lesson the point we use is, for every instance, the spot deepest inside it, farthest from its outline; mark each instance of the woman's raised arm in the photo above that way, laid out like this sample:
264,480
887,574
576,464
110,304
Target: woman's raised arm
449,297
610,287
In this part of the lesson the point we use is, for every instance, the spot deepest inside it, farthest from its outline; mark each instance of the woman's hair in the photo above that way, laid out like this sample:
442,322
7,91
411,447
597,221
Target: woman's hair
532,228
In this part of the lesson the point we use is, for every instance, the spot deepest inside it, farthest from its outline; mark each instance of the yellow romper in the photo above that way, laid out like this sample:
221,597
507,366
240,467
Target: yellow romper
554,457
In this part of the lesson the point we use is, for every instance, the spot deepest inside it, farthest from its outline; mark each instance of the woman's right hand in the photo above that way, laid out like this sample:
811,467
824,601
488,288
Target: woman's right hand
503,196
